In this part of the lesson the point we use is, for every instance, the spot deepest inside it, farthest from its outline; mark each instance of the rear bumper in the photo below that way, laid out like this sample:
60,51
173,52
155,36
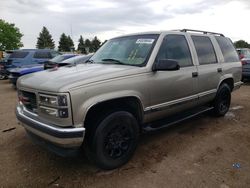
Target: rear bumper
61,137
246,74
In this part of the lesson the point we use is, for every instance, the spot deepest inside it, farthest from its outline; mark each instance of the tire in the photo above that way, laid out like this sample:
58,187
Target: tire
115,140
2,77
222,100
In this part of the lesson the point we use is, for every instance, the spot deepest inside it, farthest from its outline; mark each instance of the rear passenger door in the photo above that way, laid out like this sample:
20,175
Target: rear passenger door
209,69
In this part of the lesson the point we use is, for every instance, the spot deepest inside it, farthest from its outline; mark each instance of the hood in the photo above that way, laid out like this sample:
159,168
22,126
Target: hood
65,78
26,69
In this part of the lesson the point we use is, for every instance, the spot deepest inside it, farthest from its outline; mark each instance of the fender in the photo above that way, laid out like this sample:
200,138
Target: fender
91,102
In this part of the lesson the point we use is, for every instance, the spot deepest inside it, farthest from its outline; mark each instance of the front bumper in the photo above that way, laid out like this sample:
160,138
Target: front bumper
62,137
13,79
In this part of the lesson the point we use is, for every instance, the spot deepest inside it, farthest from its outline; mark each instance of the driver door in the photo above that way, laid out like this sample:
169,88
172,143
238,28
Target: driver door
173,91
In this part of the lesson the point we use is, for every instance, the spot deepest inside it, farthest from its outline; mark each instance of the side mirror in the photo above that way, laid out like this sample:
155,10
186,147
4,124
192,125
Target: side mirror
166,65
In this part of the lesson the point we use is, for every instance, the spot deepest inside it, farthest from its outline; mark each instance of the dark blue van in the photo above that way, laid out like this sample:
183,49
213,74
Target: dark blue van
24,57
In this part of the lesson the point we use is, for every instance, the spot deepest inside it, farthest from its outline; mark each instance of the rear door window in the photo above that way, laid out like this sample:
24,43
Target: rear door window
18,54
205,50
42,55
227,49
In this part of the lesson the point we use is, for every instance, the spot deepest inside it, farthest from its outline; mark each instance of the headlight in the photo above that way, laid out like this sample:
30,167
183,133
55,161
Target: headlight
54,105
52,100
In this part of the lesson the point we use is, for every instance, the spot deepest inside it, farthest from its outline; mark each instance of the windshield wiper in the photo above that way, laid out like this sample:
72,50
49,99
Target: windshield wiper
116,61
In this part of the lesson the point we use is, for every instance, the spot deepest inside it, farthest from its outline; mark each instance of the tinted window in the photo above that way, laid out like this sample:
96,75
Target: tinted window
76,60
227,49
19,54
205,50
175,47
42,55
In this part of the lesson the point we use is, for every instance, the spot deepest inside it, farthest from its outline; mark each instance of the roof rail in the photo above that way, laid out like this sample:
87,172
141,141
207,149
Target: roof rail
199,31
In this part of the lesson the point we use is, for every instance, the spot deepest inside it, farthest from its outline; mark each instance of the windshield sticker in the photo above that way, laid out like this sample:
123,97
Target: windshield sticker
144,41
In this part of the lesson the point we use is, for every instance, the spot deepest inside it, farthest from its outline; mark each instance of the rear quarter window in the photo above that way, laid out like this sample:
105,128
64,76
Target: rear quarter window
42,55
227,49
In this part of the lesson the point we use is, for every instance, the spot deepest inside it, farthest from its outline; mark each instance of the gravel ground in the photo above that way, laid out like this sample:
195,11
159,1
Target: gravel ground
202,152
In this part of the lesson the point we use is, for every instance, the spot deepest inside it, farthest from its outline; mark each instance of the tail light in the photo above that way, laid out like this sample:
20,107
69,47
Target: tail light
243,62
241,56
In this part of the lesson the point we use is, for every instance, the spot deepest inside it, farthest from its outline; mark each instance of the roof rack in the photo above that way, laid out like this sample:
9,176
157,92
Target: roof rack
199,31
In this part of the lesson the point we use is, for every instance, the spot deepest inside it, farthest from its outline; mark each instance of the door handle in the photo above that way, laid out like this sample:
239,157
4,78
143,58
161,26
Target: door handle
194,74
219,70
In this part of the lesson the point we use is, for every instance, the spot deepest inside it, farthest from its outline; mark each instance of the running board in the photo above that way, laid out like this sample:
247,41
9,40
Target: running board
175,119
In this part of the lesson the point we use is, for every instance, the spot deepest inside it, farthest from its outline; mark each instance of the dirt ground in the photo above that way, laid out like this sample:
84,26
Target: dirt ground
202,152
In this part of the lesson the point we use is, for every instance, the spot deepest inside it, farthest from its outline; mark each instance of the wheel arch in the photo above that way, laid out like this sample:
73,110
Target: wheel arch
229,81
131,104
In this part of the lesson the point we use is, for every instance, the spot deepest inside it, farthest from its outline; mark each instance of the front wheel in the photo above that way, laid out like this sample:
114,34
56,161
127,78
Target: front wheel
115,140
222,100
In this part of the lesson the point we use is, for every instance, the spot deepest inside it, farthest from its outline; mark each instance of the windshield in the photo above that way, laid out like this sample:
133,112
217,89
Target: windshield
76,60
246,53
130,50
59,58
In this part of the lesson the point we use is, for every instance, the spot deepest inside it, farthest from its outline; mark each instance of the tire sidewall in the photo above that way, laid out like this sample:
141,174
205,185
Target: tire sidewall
224,88
108,123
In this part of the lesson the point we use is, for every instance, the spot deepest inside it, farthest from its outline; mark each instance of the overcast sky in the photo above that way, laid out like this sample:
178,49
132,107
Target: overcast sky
109,18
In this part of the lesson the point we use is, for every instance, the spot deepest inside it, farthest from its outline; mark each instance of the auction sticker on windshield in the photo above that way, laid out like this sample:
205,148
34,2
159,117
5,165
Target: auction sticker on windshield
145,41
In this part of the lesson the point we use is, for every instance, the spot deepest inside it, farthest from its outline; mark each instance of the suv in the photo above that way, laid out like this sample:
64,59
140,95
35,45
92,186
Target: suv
133,83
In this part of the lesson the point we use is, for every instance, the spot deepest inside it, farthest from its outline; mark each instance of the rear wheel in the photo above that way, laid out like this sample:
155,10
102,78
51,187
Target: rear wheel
222,100
114,140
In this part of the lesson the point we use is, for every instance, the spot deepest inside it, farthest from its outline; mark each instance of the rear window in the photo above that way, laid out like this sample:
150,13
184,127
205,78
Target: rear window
227,49
42,55
205,50
19,54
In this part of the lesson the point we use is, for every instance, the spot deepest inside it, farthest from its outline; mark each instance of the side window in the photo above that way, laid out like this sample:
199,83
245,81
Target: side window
205,50
227,49
175,47
42,55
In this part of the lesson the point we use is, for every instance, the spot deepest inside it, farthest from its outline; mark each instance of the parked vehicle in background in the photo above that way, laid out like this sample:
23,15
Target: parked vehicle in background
146,81
24,57
70,61
15,73
244,54
54,61
27,61
3,62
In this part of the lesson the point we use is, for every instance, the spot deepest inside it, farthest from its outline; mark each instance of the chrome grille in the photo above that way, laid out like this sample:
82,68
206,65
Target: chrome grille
29,100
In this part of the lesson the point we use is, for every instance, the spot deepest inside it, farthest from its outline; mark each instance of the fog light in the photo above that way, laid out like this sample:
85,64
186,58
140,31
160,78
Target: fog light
63,113
49,111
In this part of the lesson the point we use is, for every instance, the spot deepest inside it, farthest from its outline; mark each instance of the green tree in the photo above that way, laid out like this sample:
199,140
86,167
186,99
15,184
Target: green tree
10,36
96,43
65,43
241,44
45,40
71,43
81,45
88,45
